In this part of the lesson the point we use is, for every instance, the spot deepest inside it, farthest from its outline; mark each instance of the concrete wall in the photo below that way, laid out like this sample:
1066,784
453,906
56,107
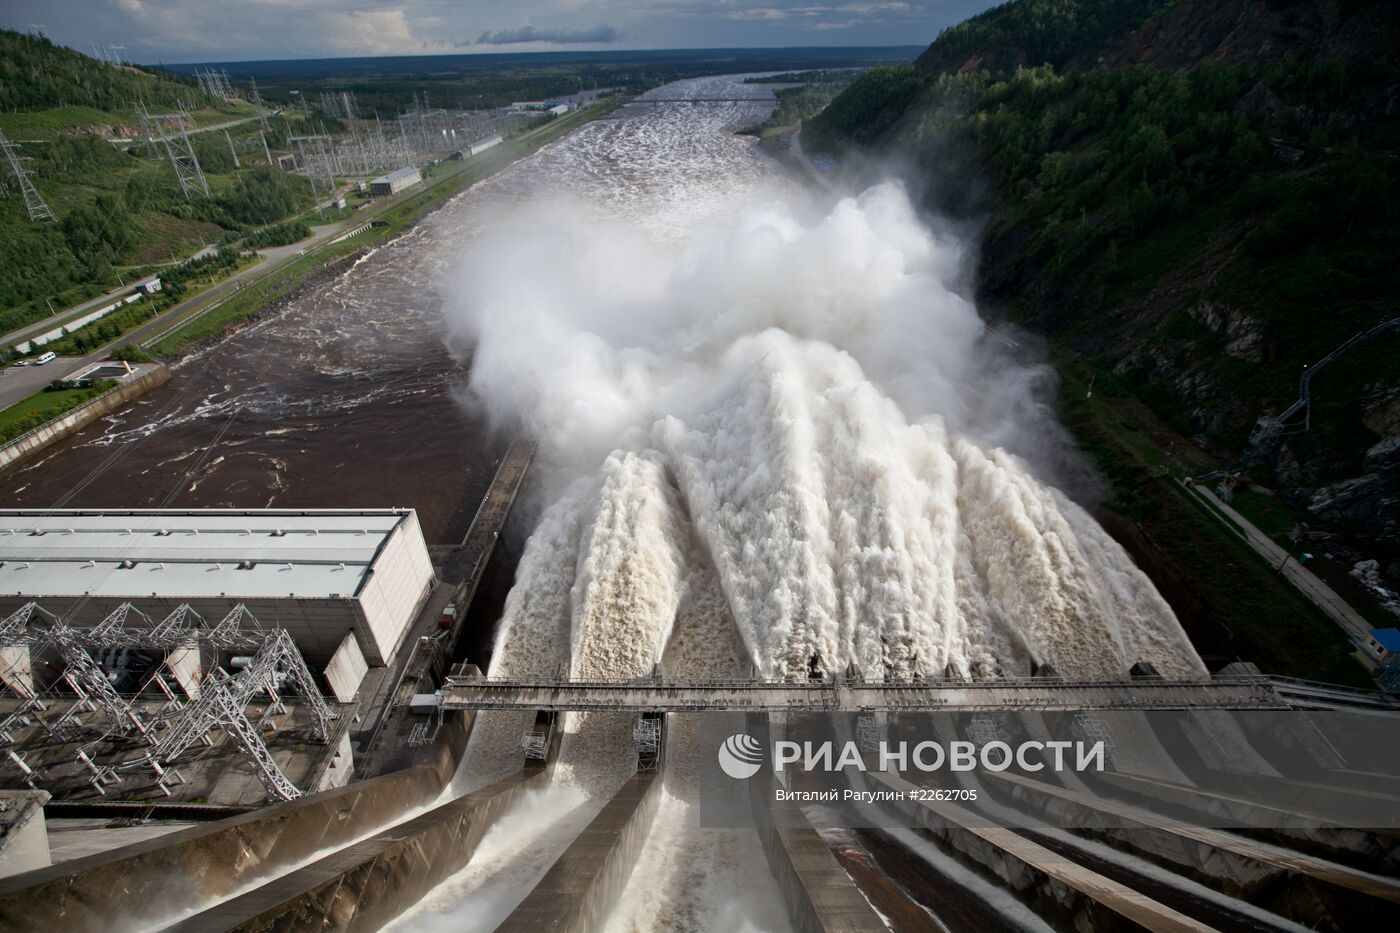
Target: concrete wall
364,886
341,767
15,670
347,668
318,625
581,888
82,416
819,894
144,884
395,589
186,665
24,841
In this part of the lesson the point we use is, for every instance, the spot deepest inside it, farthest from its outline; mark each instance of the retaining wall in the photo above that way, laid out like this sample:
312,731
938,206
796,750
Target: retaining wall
82,416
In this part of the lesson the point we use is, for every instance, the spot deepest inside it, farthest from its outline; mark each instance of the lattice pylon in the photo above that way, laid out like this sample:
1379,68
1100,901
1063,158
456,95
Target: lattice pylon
34,202
183,159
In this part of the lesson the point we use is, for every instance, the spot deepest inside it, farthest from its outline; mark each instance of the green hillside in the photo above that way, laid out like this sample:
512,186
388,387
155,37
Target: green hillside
36,74
120,210
1035,32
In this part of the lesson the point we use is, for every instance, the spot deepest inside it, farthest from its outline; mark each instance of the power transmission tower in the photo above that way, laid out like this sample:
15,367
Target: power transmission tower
181,151
33,201
262,117
316,160
232,151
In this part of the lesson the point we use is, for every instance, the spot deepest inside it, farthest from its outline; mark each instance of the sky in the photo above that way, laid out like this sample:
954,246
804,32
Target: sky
173,31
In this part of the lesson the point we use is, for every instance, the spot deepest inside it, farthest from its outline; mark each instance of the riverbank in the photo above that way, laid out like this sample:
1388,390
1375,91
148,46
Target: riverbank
272,292
148,377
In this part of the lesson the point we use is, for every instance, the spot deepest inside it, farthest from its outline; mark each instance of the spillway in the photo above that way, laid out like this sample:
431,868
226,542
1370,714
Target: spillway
775,441
775,438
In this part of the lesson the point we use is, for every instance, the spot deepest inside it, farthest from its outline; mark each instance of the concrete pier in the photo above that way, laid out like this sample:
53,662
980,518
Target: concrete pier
364,886
583,885
1090,900
820,896
139,884
480,543
1313,891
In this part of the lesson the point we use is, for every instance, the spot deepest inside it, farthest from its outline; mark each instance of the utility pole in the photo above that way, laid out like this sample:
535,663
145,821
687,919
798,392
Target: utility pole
33,201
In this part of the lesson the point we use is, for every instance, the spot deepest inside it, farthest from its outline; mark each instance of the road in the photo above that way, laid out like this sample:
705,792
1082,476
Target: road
78,310
181,314
274,259
227,124
1304,580
64,316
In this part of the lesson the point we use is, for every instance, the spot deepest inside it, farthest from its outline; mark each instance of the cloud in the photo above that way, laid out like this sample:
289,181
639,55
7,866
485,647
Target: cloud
868,8
368,32
763,13
600,33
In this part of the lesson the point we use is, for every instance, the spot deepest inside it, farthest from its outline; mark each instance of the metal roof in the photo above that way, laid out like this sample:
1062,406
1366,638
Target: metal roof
1387,638
395,175
304,554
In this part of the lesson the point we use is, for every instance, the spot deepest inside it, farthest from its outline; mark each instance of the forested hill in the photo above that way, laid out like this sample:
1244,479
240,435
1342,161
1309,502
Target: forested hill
1198,198
1165,33
119,210
1035,32
36,74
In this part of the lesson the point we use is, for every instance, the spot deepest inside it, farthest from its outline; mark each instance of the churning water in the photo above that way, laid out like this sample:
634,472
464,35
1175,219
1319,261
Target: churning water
775,436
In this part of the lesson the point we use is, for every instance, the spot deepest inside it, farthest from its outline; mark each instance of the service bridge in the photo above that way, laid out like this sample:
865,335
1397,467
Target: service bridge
1239,693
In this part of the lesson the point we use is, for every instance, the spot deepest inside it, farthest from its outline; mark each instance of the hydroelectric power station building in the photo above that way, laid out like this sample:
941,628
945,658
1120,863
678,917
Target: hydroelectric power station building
345,584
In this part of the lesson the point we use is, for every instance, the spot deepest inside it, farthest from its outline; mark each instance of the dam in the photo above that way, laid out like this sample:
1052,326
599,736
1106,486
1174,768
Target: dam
775,473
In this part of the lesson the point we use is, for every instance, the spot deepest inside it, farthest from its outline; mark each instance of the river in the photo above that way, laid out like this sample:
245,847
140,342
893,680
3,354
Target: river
774,436
348,397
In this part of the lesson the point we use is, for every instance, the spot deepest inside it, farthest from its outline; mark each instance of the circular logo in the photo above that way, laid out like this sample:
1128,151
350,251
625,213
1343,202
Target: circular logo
740,756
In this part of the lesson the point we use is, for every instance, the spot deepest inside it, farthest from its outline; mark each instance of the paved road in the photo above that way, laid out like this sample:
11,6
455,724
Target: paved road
181,314
64,316
274,259
1318,593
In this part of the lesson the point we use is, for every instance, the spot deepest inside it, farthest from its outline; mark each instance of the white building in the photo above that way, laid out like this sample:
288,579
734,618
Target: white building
347,584
395,181
481,145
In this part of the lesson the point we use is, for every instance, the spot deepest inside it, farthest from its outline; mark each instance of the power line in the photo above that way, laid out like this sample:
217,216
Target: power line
33,201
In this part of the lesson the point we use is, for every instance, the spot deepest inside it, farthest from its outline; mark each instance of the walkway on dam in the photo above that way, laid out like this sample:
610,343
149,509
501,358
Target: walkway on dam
1032,694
